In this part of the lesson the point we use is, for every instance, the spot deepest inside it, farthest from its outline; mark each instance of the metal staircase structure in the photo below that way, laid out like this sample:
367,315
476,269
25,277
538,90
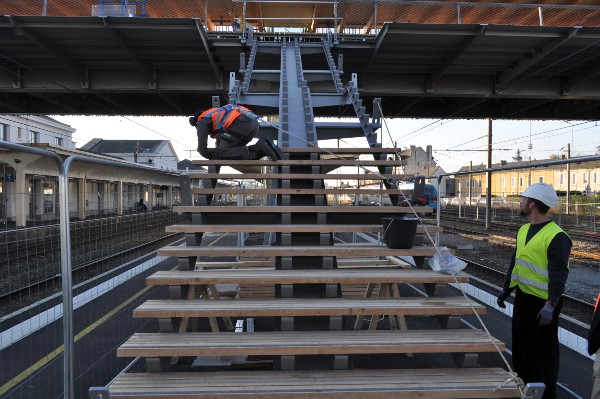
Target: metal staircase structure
317,292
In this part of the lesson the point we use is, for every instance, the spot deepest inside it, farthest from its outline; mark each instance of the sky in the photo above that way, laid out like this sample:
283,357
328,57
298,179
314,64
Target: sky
455,143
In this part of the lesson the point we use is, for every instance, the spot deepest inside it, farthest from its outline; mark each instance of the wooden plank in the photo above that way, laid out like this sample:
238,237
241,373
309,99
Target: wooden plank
281,343
286,228
308,307
291,176
353,150
262,251
295,191
235,264
339,384
297,162
384,210
366,262
345,276
263,291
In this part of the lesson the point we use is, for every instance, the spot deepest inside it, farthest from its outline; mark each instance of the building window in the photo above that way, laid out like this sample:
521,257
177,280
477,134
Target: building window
541,179
35,137
595,177
503,180
562,179
58,141
513,181
520,182
468,183
574,178
3,132
19,133
585,177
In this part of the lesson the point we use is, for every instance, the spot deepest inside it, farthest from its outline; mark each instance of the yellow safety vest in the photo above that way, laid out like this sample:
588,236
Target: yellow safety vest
530,273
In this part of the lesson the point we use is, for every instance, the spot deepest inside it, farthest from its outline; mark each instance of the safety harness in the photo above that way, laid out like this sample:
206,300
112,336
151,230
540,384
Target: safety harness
222,118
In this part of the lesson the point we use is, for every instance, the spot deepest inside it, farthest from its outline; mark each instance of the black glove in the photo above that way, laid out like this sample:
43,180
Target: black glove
545,315
502,297
194,119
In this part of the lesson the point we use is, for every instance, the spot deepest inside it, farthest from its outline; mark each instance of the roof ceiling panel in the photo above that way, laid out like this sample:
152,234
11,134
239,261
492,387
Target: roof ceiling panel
161,66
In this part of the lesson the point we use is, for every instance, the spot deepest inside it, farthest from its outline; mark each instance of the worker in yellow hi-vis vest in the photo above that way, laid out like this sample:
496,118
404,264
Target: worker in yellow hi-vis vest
594,347
538,273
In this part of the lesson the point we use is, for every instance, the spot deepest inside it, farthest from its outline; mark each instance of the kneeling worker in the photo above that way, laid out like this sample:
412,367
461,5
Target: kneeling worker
233,127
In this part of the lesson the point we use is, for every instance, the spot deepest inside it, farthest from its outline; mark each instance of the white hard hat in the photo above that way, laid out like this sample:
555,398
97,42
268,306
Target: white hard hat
542,192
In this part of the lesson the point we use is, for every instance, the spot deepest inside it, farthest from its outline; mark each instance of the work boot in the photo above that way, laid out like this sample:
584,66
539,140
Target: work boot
264,148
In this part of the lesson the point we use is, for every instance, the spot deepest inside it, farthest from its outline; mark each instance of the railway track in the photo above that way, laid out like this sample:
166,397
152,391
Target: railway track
572,307
98,249
592,235
580,239
85,268
493,279
28,244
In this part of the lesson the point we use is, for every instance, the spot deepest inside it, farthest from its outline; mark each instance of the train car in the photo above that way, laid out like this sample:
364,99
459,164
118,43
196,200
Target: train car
429,197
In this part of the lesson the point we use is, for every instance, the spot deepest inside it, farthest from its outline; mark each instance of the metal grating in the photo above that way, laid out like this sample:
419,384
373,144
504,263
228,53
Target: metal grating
352,16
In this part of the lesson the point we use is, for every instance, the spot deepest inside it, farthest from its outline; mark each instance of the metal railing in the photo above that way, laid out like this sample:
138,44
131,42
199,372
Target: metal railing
368,15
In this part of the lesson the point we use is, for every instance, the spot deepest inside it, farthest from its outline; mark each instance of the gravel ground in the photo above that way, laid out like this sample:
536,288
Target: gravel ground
584,276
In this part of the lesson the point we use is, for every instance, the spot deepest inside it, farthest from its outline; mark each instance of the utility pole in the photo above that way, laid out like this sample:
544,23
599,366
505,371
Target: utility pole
470,182
488,189
568,179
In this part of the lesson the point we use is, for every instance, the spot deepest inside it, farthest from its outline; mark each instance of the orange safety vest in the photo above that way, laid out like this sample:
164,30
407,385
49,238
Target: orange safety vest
222,117
597,302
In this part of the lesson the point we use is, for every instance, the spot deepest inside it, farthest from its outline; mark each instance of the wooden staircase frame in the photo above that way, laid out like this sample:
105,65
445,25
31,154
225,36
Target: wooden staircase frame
372,271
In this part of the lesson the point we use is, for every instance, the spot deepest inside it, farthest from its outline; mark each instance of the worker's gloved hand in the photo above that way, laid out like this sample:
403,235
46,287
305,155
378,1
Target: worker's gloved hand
193,120
545,315
502,297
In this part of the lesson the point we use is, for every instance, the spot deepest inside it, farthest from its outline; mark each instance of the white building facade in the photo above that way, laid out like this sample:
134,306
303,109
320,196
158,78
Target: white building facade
32,129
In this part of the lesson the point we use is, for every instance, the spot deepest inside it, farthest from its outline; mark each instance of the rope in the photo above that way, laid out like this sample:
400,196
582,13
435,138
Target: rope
513,375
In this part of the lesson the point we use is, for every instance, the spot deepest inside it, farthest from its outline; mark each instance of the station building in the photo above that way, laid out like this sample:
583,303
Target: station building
580,178
29,183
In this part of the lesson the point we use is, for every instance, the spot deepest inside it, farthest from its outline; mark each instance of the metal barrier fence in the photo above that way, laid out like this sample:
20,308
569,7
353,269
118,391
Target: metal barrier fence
61,318
349,16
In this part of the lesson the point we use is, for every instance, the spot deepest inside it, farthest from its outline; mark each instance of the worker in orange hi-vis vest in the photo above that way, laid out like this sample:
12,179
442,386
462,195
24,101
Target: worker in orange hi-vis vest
233,127
594,347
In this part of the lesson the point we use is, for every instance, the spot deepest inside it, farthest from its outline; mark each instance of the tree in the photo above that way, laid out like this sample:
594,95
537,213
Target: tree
554,156
518,157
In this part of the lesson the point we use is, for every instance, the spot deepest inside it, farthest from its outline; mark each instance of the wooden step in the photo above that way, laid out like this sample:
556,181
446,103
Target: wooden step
352,384
342,263
283,343
289,176
307,307
265,251
288,228
354,150
341,276
297,162
383,210
292,191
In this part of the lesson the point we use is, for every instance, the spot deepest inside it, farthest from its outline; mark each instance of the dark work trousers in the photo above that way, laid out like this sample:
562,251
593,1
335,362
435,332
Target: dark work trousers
535,349
241,132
